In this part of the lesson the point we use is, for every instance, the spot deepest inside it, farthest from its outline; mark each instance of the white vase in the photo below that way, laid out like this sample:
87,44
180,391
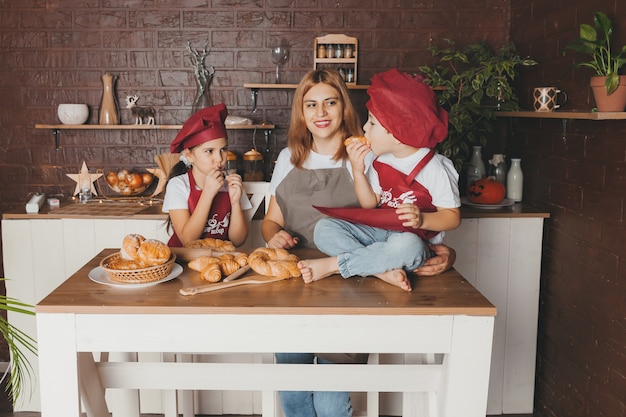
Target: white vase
515,181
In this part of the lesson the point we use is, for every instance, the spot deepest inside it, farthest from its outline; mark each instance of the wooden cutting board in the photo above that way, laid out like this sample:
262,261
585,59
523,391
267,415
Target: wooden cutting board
251,280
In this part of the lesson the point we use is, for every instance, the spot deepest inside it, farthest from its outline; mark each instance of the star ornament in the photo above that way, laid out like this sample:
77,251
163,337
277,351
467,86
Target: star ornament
84,179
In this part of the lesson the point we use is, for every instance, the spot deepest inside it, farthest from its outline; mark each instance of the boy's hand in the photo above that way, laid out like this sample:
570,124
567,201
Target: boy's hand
356,153
410,215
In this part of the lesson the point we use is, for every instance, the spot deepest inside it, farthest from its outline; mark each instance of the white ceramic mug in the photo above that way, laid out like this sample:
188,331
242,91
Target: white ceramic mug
545,98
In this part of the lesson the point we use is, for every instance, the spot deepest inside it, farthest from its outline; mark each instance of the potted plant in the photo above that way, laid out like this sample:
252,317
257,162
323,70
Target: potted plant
606,61
473,83
16,341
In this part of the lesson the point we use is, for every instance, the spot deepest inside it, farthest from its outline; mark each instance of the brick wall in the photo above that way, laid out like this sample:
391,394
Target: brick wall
55,51
576,170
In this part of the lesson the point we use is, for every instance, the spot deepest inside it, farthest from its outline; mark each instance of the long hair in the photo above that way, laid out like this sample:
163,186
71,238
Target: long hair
299,138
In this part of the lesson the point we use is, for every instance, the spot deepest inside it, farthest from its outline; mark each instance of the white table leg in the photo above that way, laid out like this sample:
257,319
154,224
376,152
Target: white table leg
57,357
123,403
465,383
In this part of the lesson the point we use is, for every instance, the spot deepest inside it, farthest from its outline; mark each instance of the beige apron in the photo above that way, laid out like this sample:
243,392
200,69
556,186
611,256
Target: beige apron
297,194
303,188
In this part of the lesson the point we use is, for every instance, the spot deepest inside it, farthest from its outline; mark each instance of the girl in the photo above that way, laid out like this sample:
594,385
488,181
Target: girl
200,200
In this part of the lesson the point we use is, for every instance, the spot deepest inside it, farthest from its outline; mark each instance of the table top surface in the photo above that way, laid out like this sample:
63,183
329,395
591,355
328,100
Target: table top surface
445,294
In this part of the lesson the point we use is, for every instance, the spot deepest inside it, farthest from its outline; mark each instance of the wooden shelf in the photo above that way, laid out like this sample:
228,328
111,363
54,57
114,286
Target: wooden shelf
564,115
145,127
56,129
293,86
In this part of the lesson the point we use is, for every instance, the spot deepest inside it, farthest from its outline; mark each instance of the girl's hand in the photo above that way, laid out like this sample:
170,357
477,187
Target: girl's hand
356,153
235,188
410,215
282,240
213,181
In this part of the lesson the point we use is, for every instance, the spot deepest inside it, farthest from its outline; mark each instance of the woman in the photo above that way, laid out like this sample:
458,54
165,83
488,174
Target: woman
314,170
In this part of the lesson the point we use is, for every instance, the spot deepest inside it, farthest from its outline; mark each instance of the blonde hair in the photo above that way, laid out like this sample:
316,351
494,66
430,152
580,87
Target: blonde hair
299,138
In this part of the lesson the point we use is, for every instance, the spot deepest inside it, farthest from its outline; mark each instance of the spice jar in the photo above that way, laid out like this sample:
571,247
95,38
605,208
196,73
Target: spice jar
231,163
253,166
330,51
348,50
339,51
321,51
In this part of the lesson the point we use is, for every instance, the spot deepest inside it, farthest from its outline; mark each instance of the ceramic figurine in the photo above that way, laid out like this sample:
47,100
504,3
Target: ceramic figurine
140,112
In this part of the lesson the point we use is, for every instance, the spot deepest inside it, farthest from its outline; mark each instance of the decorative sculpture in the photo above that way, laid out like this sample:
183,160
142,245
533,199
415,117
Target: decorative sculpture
141,113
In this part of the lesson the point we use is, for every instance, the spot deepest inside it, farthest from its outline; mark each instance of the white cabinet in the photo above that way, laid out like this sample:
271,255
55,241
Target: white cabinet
500,255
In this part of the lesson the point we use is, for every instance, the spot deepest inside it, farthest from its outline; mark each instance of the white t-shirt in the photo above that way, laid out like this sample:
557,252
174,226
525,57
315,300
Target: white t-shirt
438,176
178,190
318,161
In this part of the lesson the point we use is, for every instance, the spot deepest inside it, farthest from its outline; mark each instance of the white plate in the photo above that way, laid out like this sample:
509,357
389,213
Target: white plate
504,203
100,276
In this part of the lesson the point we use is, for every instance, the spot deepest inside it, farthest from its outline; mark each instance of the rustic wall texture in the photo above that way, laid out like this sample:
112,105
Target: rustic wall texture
55,51
577,171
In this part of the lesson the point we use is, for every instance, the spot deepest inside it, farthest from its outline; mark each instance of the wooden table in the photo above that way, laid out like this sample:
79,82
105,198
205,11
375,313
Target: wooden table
443,316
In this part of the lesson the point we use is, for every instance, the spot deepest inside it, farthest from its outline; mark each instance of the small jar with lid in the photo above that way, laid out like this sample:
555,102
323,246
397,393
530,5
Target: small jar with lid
330,51
231,163
321,51
348,50
339,51
253,166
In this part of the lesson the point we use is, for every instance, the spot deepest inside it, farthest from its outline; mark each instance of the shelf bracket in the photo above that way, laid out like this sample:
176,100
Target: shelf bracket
57,136
255,95
267,133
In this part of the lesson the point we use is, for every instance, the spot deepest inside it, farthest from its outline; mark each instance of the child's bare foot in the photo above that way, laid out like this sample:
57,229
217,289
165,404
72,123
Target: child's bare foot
316,269
396,277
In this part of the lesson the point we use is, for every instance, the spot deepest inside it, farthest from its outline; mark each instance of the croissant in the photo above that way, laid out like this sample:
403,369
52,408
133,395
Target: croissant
212,273
353,139
229,266
153,252
242,259
274,262
214,244
201,263
130,246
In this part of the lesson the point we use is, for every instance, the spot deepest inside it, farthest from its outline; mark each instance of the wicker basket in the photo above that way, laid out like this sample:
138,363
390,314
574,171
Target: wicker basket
137,276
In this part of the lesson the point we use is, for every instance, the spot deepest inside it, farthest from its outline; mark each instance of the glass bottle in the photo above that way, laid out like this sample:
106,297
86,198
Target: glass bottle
253,166
515,181
498,168
476,169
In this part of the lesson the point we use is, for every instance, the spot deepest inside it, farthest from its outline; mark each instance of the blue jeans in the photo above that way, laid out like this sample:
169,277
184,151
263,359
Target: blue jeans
365,250
312,403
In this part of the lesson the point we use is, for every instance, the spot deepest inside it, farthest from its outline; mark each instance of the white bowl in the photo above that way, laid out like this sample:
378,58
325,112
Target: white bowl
73,114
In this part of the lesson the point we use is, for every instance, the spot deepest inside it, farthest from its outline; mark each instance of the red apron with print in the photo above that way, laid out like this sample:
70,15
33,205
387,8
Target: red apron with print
397,188
216,226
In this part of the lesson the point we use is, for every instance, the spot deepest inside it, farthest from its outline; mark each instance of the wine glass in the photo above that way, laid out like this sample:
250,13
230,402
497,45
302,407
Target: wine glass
279,53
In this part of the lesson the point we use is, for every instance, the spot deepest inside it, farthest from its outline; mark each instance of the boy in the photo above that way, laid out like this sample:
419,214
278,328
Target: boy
417,198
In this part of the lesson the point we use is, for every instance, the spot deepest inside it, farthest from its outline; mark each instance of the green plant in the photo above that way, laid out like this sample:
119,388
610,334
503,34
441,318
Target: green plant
16,340
605,61
472,83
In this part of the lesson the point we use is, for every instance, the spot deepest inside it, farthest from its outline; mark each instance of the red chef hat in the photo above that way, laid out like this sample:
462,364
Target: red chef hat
407,108
204,125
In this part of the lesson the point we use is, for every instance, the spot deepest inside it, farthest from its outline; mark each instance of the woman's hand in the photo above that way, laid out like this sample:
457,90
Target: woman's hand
282,240
442,261
235,188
